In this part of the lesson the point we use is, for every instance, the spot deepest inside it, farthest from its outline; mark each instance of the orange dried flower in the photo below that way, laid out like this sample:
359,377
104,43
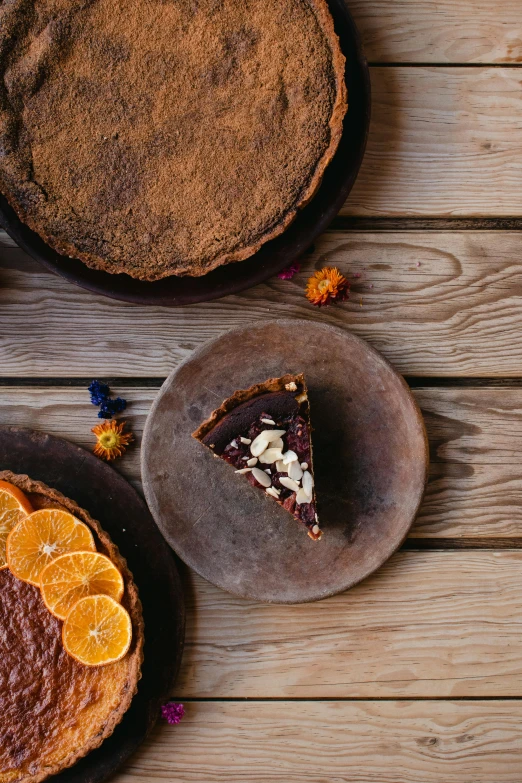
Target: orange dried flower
327,285
111,441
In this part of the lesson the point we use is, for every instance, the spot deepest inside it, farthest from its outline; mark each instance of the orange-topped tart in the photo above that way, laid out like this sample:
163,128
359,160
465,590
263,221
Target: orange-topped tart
70,663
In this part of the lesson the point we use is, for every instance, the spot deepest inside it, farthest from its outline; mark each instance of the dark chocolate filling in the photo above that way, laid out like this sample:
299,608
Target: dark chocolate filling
277,405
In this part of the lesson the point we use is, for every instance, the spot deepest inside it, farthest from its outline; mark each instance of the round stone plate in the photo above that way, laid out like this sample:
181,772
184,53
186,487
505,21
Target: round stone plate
370,460
123,514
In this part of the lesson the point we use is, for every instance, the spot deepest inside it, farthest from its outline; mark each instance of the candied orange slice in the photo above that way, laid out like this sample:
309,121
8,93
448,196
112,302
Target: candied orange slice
70,577
97,630
41,537
14,506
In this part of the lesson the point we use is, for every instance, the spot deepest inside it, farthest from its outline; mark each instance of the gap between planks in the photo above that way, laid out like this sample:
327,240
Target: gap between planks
427,64
414,382
337,699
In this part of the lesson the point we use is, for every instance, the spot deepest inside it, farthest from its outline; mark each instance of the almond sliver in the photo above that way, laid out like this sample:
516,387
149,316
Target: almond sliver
260,443
270,456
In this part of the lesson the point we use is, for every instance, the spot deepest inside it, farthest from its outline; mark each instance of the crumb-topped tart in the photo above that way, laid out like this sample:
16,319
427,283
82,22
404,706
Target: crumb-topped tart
55,709
166,138
264,432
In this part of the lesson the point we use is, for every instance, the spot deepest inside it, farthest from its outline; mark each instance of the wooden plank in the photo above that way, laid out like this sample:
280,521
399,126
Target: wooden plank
475,452
443,141
439,31
428,624
475,442
435,303
389,742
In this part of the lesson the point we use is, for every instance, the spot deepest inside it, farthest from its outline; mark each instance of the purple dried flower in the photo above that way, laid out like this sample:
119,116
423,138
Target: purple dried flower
172,712
99,392
289,271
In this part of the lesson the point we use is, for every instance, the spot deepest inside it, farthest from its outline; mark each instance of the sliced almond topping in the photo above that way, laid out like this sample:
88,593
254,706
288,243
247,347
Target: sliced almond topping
271,435
268,421
301,497
234,443
257,447
270,456
281,466
308,483
316,529
243,470
294,471
272,491
248,441
290,456
276,444
252,462
289,483
261,477
304,465
260,443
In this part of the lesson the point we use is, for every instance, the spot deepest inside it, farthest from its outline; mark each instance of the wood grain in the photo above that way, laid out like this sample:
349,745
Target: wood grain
475,481
475,438
439,31
428,624
435,303
389,742
443,141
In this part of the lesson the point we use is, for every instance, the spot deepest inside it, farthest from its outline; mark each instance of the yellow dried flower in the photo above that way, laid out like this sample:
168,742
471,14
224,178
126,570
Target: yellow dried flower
111,442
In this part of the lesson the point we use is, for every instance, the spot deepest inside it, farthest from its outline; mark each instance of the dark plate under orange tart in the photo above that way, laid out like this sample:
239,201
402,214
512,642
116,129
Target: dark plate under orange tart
166,138
54,709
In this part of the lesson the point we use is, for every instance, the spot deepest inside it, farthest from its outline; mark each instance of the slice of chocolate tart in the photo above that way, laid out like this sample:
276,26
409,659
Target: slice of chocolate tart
264,432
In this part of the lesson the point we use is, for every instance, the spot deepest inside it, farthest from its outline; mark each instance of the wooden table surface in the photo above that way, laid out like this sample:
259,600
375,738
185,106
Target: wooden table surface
416,674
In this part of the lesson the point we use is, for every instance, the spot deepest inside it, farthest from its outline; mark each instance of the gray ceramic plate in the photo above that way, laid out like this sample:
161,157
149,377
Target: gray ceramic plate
370,452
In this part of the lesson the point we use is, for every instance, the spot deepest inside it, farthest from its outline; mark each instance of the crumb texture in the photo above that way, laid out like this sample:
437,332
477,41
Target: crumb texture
156,137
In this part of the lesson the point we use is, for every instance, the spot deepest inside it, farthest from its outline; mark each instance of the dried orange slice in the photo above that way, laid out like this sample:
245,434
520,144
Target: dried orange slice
41,537
97,630
70,577
14,506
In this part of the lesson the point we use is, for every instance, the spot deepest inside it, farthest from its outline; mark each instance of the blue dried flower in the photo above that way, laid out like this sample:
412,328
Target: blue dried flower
100,395
99,392
110,408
